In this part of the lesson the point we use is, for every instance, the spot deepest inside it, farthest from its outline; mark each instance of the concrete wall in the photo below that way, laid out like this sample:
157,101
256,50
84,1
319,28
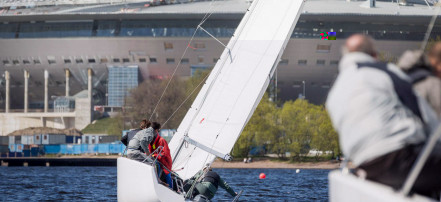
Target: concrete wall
83,113
13,121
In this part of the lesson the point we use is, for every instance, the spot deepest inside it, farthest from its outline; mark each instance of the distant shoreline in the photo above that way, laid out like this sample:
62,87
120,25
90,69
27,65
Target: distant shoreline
92,160
275,164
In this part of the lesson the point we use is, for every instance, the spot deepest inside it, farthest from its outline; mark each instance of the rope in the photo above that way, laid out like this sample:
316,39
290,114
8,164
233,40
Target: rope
188,97
207,15
215,75
429,28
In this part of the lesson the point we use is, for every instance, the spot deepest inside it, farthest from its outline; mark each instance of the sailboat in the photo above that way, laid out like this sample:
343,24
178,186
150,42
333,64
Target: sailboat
225,103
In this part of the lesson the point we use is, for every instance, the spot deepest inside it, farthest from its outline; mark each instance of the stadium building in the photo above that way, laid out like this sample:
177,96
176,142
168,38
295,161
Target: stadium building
60,58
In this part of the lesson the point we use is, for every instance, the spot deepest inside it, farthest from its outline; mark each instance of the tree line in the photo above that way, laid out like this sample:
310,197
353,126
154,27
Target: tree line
294,127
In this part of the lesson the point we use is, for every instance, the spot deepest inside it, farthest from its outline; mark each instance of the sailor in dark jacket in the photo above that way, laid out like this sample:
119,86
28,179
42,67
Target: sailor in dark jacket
207,183
126,138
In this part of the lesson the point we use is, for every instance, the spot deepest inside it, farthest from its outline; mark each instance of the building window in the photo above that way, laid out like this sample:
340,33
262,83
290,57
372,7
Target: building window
126,60
302,62
321,62
26,62
284,62
67,61
153,60
170,61
297,84
37,137
333,62
37,61
201,59
323,48
91,60
326,85
103,60
51,60
215,60
168,46
45,137
79,60
199,46
15,62
116,60
185,61
6,62
142,60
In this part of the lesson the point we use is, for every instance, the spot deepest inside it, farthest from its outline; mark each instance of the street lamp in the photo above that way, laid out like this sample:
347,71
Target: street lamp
304,95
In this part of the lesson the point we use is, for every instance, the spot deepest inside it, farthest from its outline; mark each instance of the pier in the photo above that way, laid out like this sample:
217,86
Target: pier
38,161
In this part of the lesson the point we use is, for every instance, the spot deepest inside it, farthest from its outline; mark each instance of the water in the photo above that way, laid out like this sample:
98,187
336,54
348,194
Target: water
99,184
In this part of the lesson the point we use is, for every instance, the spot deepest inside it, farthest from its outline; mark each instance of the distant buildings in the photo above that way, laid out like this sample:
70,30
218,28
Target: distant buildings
59,61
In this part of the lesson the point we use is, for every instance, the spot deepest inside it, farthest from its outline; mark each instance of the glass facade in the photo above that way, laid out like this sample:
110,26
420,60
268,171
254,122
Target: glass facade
121,80
218,28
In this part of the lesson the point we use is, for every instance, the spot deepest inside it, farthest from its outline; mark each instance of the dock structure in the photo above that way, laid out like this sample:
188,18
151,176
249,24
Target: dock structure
81,161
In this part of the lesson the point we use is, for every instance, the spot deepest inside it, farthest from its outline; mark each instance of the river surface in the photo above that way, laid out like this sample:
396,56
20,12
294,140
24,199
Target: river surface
99,184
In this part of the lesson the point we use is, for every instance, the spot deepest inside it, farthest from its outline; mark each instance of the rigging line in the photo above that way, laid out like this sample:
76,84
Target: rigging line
179,63
171,78
430,27
200,27
188,97
216,74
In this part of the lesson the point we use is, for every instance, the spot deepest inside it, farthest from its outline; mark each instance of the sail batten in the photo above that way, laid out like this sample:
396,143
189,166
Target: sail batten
235,86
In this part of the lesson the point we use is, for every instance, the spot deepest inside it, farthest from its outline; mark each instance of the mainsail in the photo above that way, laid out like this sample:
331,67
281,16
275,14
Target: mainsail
235,86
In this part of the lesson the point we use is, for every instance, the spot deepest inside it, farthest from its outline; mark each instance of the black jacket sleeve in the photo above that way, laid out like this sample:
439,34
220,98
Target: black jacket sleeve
124,139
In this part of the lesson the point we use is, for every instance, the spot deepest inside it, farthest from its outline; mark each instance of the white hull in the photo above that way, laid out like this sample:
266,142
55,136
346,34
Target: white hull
348,188
138,182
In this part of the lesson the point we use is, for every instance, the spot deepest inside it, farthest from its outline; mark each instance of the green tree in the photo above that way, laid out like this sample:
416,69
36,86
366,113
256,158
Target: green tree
143,99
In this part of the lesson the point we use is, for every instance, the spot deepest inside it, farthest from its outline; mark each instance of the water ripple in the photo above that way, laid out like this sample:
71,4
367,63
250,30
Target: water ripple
99,184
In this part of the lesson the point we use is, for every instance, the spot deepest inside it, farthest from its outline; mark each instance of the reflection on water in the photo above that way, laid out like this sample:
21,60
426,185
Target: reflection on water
99,184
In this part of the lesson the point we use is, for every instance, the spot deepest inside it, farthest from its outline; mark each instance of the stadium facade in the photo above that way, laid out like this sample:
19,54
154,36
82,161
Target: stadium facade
76,54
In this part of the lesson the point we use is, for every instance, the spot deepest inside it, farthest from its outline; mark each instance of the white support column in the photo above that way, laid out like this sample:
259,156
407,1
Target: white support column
26,91
46,91
89,88
89,84
8,96
67,82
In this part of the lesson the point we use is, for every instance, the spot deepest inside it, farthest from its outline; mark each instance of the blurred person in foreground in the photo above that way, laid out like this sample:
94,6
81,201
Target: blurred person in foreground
382,124
422,75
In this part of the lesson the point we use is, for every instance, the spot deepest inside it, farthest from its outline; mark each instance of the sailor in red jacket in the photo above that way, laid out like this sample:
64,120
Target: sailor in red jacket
164,156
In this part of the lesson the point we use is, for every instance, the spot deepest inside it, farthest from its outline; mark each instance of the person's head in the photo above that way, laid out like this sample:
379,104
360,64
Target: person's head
144,124
360,43
156,126
434,56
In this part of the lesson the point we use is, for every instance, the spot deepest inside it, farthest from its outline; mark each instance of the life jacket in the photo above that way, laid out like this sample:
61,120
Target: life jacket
402,87
154,143
212,177
418,74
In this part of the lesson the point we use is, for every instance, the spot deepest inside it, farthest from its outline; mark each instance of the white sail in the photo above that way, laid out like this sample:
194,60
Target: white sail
235,85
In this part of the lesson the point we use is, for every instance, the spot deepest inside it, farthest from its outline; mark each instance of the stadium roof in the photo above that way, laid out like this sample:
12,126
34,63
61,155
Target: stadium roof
321,7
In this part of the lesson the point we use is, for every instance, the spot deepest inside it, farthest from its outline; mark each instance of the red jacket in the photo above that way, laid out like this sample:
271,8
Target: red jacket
164,157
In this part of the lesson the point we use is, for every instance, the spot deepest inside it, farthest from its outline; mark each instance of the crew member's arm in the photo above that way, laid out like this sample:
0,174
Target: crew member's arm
164,151
227,187
144,144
